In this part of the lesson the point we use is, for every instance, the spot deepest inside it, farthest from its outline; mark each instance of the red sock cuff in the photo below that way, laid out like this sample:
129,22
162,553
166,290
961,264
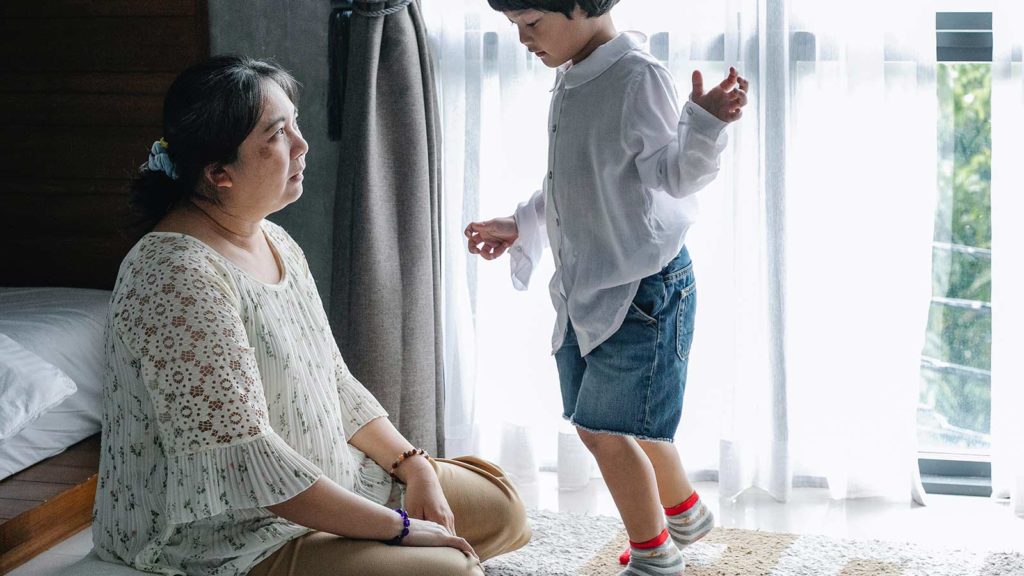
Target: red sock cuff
686,505
652,543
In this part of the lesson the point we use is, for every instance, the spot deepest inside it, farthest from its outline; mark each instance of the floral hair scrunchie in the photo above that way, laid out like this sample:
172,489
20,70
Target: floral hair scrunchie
159,160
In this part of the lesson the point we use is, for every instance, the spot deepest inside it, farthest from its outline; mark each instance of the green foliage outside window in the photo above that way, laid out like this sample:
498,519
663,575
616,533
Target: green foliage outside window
958,401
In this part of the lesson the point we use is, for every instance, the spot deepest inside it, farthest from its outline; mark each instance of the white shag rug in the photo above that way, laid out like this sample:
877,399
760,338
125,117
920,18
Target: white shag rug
580,545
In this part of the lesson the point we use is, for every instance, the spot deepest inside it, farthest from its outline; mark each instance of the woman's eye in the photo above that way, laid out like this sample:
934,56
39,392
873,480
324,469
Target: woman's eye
532,24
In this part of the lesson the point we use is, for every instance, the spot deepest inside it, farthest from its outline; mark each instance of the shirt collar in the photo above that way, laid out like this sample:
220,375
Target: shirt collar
572,75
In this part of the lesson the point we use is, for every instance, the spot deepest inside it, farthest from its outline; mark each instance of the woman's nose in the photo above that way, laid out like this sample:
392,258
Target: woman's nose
300,146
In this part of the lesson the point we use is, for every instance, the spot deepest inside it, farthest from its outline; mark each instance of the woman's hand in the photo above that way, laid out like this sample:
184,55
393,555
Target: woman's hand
427,533
424,498
726,100
492,238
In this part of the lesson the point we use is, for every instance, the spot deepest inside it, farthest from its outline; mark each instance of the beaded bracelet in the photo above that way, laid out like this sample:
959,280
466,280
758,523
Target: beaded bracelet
405,528
405,455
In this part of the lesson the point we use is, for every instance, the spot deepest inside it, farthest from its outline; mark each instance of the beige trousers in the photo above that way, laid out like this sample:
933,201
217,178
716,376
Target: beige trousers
488,513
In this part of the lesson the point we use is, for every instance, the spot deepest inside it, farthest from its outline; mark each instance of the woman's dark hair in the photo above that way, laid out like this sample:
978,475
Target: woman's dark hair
209,110
591,7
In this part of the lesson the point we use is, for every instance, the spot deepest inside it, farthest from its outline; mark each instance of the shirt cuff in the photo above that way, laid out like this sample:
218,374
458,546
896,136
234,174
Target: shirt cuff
358,405
525,249
702,121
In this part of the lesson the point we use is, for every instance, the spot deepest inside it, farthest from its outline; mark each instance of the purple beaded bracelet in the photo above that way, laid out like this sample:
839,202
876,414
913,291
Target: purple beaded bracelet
405,528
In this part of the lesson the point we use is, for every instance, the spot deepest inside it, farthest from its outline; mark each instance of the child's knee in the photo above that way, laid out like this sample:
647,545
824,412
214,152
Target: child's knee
598,442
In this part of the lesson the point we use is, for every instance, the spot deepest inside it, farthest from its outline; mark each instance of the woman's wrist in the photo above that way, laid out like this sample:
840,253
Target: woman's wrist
415,470
402,529
411,465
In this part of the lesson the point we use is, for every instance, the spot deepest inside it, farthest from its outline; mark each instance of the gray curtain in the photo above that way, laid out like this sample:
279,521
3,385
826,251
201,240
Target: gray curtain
385,296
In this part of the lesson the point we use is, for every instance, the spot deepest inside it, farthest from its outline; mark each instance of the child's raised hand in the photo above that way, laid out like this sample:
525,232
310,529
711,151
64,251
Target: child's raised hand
726,100
492,238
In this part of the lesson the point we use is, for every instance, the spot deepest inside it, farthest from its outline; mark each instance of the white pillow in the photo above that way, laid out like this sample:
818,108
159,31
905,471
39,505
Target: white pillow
29,386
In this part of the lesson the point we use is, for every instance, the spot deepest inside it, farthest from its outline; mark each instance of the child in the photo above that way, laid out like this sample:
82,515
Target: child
617,200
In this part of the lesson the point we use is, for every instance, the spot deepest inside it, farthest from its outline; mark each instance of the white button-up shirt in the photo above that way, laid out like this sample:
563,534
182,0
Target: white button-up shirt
618,197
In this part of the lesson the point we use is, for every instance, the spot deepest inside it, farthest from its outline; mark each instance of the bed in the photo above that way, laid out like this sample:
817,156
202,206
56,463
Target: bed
74,124
48,468
63,326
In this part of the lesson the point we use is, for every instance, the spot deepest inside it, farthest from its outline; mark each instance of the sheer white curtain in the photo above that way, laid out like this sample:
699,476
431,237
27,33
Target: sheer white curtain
812,253
859,216
1007,253
502,394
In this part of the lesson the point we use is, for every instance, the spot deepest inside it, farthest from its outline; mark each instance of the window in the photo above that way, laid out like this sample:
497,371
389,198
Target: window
954,411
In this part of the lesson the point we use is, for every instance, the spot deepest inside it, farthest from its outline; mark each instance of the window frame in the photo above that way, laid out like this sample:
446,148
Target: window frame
960,37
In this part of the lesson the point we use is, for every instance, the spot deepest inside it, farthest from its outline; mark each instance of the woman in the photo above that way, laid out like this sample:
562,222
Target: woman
235,440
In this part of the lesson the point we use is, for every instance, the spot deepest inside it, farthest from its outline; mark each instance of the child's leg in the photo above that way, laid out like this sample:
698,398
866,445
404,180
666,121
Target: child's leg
673,485
689,519
631,481
631,386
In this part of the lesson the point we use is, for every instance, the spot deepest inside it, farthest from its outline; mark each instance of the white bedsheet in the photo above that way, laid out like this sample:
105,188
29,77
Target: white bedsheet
63,326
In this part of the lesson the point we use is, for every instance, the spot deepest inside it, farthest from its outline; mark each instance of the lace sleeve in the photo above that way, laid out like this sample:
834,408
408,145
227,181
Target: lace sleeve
181,322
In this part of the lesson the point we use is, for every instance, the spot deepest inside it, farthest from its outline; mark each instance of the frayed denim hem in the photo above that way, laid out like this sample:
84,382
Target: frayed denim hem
572,420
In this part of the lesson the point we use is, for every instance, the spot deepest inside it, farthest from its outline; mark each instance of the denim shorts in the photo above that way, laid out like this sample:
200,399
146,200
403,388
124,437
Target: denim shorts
632,384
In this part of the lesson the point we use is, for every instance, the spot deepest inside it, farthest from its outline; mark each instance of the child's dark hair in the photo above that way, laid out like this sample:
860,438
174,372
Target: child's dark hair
593,8
209,110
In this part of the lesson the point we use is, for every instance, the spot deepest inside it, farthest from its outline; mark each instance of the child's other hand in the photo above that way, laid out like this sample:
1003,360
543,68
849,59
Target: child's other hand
726,100
492,238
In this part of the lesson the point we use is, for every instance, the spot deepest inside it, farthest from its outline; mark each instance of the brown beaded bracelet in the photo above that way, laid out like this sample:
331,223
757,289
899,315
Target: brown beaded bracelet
405,455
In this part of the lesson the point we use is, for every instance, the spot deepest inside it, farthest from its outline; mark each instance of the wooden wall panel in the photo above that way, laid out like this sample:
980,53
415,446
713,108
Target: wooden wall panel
126,44
49,109
81,95
123,83
83,213
83,152
34,9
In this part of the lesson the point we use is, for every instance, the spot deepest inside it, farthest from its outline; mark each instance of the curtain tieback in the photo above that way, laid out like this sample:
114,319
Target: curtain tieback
379,8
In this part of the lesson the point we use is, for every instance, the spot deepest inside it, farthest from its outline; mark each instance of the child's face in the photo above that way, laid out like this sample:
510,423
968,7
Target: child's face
551,36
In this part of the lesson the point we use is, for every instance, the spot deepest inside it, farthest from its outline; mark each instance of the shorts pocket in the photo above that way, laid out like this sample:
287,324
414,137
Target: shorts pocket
649,302
640,314
687,312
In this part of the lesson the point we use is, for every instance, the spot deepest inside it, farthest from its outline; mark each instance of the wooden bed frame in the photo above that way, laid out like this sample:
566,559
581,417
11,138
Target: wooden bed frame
81,95
47,502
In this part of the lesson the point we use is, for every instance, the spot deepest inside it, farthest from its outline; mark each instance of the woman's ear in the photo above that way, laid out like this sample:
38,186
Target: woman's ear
216,176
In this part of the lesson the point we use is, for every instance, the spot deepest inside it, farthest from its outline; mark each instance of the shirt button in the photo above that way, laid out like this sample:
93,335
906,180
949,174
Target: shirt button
689,111
558,221
551,174
554,128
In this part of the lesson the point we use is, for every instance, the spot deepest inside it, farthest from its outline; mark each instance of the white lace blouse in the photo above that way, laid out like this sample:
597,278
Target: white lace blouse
224,395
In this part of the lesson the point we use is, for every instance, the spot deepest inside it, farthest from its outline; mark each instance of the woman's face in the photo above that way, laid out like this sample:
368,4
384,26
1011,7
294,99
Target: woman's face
267,175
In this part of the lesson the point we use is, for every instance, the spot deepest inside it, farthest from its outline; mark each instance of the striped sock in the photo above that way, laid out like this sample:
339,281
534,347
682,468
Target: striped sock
689,521
656,557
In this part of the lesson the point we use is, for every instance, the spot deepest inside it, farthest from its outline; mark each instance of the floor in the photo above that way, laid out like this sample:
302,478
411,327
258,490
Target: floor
947,521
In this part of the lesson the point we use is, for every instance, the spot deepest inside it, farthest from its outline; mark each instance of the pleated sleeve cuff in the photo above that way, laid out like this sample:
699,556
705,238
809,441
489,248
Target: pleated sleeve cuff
255,474
358,405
